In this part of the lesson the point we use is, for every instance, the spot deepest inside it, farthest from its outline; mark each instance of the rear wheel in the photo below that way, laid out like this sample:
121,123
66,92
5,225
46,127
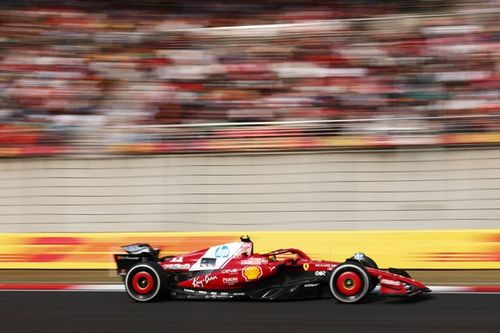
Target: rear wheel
144,282
349,282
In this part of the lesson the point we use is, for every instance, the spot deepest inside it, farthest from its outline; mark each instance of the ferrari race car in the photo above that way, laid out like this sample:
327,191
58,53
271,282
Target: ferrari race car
233,271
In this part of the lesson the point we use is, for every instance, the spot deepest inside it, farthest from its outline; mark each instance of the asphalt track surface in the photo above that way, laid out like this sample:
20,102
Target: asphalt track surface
115,312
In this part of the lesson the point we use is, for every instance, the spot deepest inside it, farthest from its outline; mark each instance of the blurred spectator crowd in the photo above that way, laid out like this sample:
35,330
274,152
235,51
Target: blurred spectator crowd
69,70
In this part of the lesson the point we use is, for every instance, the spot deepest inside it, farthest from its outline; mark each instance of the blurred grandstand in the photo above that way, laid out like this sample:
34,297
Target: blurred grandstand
186,76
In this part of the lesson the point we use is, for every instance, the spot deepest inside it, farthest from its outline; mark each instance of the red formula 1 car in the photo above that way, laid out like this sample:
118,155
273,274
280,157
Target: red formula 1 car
233,271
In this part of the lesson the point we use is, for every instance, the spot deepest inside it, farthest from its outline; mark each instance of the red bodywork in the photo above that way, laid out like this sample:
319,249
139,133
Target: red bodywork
243,267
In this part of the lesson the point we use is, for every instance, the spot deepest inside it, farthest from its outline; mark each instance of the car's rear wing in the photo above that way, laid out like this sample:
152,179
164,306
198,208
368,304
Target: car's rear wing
135,253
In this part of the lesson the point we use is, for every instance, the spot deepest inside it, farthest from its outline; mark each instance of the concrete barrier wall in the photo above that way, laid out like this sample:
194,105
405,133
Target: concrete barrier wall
392,189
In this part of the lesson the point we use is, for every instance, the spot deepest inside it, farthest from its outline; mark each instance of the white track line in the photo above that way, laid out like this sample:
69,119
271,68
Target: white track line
98,287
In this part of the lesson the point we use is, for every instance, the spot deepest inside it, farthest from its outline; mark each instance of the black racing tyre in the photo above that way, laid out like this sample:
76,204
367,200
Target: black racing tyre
368,262
349,282
364,259
145,282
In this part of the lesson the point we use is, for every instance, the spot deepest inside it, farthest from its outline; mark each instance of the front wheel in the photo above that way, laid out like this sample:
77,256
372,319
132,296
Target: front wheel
367,262
349,282
145,282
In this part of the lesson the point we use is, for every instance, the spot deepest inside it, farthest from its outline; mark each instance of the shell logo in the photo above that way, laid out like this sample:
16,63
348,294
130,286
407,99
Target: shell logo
252,273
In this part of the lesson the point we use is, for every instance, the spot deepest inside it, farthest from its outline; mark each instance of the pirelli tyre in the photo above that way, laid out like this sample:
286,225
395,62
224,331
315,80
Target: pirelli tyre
145,282
367,262
349,282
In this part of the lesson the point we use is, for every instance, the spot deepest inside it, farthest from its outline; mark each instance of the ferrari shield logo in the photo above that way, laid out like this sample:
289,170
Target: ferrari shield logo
306,267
